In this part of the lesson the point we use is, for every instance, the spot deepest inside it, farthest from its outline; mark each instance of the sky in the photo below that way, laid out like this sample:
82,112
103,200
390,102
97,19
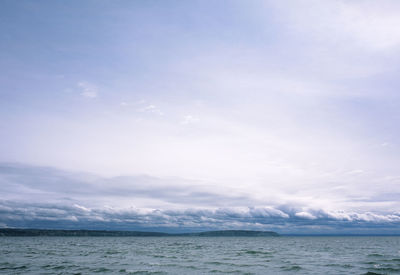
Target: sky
184,116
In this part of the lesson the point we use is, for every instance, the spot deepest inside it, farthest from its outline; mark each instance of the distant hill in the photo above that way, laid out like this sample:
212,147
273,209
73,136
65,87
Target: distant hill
234,233
105,233
80,233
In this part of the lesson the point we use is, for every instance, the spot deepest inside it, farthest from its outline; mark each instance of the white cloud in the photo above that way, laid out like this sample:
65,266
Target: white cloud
82,207
369,25
355,172
261,218
336,39
189,119
88,90
305,215
151,109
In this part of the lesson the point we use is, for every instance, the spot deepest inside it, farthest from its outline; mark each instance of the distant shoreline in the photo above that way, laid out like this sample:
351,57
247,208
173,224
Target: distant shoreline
339,235
19,232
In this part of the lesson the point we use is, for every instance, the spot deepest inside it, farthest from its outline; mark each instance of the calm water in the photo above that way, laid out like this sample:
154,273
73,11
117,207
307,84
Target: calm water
191,255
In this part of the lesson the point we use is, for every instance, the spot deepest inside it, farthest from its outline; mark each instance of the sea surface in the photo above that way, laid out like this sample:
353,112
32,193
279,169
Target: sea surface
200,255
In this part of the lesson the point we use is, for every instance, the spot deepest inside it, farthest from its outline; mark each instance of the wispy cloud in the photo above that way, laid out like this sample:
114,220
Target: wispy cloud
142,106
189,119
152,109
367,25
88,90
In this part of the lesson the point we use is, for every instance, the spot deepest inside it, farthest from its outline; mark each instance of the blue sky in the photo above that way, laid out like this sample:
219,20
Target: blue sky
179,115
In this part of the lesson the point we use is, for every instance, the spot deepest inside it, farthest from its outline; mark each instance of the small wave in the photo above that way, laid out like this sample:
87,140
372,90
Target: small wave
100,270
256,252
144,272
190,267
231,264
180,244
226,271
291,268
166,265
159,256
245,265
14,267
387,269
112,252
394,260
375,255
58,267
215,263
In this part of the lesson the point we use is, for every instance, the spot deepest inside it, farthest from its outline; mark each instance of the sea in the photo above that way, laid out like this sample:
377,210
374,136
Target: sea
200,255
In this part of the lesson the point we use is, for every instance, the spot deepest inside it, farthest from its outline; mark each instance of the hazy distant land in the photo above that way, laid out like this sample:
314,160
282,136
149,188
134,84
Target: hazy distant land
106,233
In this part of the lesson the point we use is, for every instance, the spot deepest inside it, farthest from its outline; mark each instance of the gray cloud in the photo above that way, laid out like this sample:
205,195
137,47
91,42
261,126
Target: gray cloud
44,197
46,215
19,182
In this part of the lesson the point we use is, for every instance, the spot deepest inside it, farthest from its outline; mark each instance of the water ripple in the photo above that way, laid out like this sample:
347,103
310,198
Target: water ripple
191,255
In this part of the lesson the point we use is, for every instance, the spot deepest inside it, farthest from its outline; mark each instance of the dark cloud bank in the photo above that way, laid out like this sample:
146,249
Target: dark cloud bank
40,197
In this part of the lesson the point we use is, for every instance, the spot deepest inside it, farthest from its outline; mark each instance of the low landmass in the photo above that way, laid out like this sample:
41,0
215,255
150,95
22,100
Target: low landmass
14,232
234,233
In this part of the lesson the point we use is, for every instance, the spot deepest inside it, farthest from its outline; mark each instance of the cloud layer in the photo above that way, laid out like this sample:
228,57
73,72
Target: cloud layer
45,197
283,219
